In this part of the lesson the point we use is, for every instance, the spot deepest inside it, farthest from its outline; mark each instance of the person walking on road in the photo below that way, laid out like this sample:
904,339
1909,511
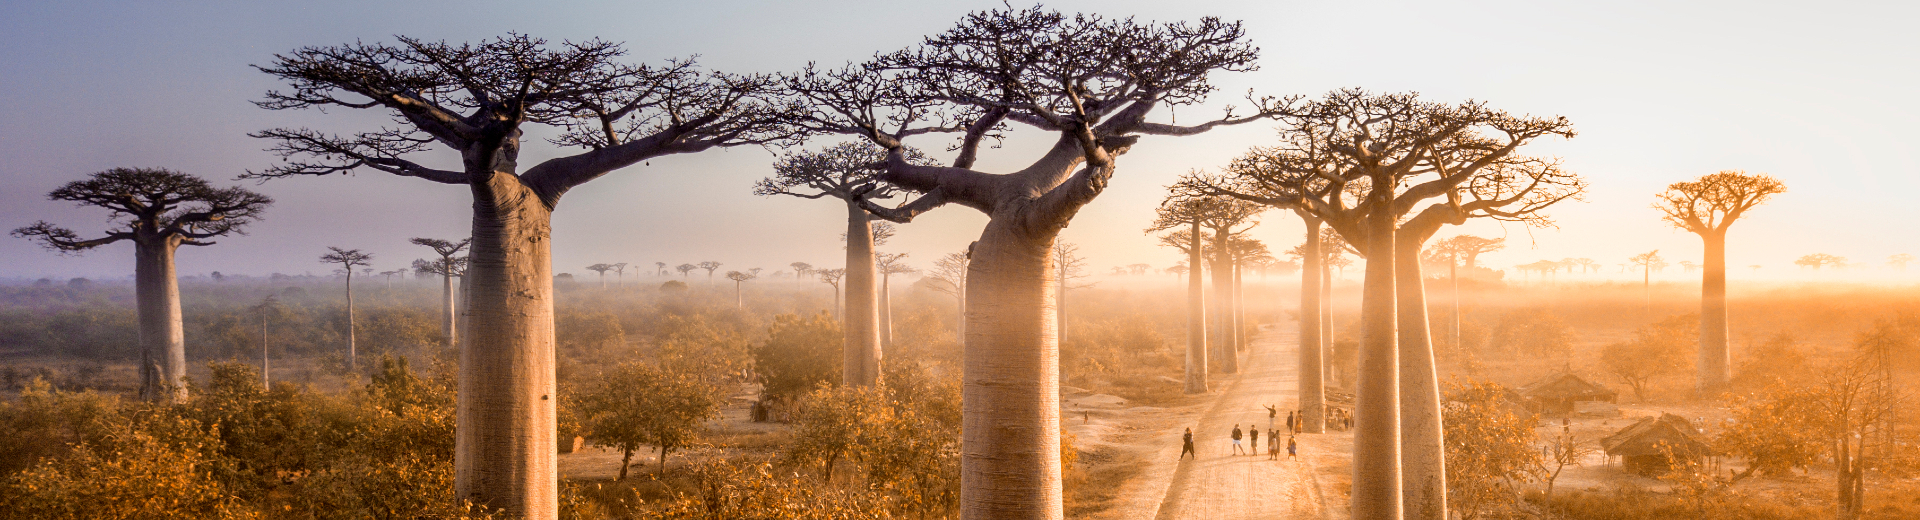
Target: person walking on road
1290,421
1273,445
1237,448
1293,449
1186,446
1253,442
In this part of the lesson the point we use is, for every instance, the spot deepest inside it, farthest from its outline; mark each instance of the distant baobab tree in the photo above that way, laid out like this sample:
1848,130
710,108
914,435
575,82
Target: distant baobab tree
158,210
389,276
602,269
949,275
832,277
1068,266
449,266
848,173
1386,153
1469,248
1755,267
1707,207
660,268
1587,265
738,278
619,274
1219,218
755,271
1117,271
685,269
1820,260
474,101
1093,83
1900,261
1648,262
348,259
1688,266
889,265
1138,269
267,309
800,269
710,266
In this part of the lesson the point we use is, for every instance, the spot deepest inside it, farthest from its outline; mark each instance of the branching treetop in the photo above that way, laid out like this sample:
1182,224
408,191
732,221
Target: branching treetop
473,98
444,248
738,276
446,266
844,171
347,258
1212,212
157,203
1092,80
1711,203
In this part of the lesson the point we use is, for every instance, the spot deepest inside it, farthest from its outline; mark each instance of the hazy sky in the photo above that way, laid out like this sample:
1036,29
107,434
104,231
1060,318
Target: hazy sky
1819,96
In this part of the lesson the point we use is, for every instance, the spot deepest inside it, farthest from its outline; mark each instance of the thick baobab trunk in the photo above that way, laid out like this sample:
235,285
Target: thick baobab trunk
1326,319
1197,362
353,350
1010,453
1422,443
1239,307
1224,357
1376,438
886,314
448,314
504,443
163,345
1313,387
862,318
1060,315
1714,353
266,365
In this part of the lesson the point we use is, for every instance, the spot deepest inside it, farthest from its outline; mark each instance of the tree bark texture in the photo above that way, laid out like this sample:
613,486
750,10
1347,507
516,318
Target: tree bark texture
353,351
1197,362
448,314
886,314
1010,465
1222,335
163,345
1376,444
1422,442
1060,315
862,317
1326,318
1239,307
1714,363
504,446
1313,388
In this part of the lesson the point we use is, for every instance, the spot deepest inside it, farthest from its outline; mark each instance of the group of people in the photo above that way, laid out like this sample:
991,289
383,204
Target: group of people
1252,437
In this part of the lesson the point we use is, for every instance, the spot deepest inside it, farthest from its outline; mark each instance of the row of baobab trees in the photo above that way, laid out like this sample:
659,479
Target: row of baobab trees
1356,162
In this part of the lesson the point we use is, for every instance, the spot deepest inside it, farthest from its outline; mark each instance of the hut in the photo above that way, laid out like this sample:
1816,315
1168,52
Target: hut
1559,393
1644,446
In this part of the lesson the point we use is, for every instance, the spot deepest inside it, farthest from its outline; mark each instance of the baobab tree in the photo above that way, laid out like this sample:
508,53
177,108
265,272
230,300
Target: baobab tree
738,278
1648,263
832,277
602,269
1068,266
1819,260
1587,265
348,259
619,273
800,269
710,266
1138,269
475,101
949,275
448,266
846,172
889,265
1707,207
1197,366
1221,218
660,268
267,309
158,210
1469,248
1386,154
685,268
1092,82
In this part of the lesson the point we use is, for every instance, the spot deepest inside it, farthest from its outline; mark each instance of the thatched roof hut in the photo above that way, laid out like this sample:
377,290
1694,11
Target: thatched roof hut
1559,392
1644,446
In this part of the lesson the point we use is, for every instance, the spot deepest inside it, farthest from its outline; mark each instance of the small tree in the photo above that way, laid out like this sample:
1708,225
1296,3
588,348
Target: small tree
1490,451
836,421
1764,430
348,259
1533,332
949,275
738,278
1656,350
159,211
832,277
800,353
634,405
1707,207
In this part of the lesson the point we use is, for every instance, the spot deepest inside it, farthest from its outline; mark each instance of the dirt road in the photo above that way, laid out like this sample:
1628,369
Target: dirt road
1221,485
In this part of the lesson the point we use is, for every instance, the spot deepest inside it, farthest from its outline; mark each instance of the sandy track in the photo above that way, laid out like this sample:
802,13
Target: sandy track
1221,485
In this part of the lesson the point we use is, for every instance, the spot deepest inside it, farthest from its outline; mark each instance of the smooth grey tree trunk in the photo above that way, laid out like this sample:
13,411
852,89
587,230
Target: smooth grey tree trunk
505,454
1376,438
1239,307
1060,315
1313,389
1224,357
1326,318
163,345
1197,363
862,318
353,351
448,314
266,365
886,314
1010,465
1422,441
1715,354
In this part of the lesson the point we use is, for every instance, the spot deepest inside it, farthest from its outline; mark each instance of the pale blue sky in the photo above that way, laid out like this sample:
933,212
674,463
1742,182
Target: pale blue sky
1660,91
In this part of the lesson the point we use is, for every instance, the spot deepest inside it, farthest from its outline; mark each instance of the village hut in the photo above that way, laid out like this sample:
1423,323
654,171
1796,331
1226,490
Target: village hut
1644,447
1561,392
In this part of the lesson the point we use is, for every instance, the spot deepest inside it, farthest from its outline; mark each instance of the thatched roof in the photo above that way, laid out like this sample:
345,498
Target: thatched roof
1566,386
1646,436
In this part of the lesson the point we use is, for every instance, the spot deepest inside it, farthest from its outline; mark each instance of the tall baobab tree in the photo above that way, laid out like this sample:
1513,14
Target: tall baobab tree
800,269
832,277
619,273
846,172
475,101
1090,81
1707,207
889,265
1197,363
448,266
1221,218
660,268
738,278
267,309
602,269
685,268
1819,260
348,259
949,275
1068,266
1386,154
1648,263
1468,248
158,210
710,266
